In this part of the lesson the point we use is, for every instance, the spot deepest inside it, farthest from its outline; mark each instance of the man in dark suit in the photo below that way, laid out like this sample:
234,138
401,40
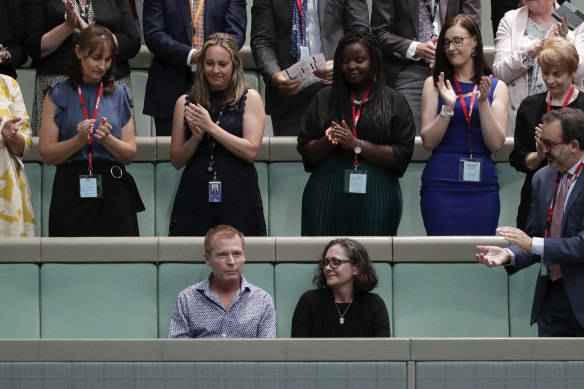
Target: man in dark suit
272,25
407,31
12,25
168,33
554,236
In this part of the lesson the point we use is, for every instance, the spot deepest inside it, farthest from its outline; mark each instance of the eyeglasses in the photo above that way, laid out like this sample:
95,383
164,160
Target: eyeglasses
333,263
548,145
457,41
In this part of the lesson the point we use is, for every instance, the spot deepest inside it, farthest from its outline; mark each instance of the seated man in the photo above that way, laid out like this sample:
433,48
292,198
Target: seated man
224,305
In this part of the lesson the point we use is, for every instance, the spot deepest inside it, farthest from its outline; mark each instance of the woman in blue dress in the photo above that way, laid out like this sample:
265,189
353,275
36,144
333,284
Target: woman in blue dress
464,118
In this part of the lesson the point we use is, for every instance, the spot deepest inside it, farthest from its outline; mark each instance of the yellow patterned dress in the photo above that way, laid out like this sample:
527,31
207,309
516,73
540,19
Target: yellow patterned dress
16,211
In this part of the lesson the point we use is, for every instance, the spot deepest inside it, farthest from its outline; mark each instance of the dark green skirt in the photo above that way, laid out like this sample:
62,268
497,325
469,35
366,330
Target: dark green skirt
328,210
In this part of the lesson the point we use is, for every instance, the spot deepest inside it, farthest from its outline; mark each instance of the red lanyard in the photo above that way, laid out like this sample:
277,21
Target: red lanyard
356,115
549,99
553,203
299,4
467,112
95,110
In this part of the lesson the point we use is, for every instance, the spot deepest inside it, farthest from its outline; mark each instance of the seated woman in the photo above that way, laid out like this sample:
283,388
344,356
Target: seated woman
558,60
343,305
519,38
464,114
87,130
217,132
354,186
15,198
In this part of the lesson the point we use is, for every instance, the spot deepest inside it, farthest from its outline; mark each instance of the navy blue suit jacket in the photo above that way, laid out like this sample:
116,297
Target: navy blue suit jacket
168,34
567,251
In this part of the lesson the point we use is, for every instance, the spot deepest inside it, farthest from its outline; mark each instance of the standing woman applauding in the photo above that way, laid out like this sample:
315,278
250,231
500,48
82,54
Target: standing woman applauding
87,130
464,115
357,139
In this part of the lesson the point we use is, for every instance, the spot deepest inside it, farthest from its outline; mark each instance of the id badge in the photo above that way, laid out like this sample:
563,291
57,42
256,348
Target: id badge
304,53
355,181
214,191
90,187
470,170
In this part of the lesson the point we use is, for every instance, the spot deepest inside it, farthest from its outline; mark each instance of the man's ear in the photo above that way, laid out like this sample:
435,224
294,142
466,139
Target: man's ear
207,259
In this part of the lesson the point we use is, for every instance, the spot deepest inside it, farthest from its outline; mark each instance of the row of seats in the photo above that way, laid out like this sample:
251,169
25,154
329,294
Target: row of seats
127,287
281,184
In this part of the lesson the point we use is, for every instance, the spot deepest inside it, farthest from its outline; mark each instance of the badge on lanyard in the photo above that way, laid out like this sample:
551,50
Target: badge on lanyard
469,169
356,181
90,186
214,191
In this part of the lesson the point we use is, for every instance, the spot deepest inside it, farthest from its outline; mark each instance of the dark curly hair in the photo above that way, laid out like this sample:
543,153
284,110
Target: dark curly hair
366,278
481,67
91,40
340,104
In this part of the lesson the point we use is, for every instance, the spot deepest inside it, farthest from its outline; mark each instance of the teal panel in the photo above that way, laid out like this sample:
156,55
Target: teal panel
175,277
262,169
35,179
287,181
496,375
510,183
449,300
47,193
143,173
25,78
412,223
19,301
143,122
99,301
521,291
166,183
293,279
251,79
188,375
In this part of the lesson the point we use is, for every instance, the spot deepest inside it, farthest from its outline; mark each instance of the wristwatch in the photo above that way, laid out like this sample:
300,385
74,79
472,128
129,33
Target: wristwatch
358,148
446,114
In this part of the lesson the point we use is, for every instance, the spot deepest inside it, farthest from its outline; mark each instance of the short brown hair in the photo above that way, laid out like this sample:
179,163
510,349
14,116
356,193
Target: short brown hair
558,53
221,230
366,278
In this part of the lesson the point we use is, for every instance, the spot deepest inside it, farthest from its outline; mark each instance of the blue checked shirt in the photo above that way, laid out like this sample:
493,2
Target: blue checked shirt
199,313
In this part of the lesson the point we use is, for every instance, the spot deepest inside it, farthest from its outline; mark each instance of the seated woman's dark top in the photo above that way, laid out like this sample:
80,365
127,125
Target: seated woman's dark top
317,316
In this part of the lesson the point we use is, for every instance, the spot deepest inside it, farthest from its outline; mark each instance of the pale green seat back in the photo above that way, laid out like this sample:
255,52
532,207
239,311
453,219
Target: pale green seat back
19,301
48,173
521,291
34,175
99,300
175,277
510,183
25,79
287,181
449,300
293,279
143,122
412,223
166,183
262,169
143,173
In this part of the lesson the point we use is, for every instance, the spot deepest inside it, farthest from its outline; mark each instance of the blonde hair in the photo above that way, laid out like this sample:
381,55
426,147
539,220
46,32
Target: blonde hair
558,53
236,87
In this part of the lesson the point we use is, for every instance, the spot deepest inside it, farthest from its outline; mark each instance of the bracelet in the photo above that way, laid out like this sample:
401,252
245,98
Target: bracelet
446,114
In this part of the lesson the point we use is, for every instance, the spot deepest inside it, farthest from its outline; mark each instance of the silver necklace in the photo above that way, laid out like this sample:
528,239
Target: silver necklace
342,317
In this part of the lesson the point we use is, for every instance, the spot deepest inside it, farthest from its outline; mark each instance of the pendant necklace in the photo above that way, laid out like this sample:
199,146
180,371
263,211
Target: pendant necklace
342,317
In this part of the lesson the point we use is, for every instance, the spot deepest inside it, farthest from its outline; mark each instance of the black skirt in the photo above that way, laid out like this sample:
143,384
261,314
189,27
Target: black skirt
114,214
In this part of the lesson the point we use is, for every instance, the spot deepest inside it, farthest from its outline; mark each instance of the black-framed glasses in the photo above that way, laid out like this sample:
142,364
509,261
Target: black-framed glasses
548,145
333,263
457,41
